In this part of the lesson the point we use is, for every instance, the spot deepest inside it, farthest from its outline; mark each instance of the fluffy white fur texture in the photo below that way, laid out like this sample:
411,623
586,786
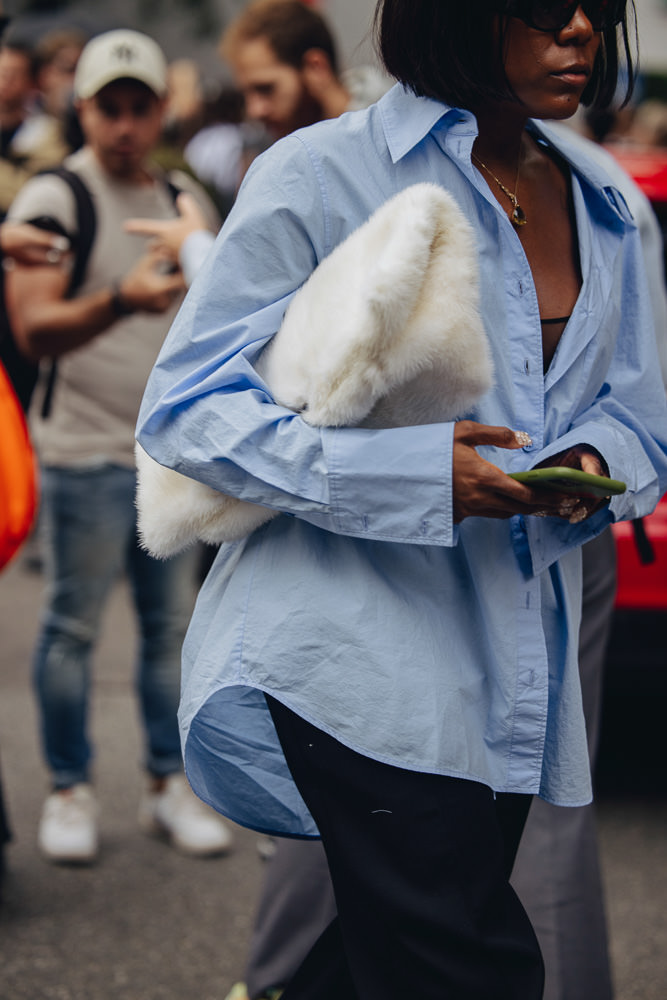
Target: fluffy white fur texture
385,332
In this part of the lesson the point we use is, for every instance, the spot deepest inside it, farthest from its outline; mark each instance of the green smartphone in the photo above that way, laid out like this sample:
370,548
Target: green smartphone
565,480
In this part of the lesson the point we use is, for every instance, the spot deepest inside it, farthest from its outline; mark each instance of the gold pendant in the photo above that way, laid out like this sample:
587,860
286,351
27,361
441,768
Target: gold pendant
519,216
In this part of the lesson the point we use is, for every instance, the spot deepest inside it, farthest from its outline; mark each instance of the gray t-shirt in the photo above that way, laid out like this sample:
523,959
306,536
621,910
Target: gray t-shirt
99,385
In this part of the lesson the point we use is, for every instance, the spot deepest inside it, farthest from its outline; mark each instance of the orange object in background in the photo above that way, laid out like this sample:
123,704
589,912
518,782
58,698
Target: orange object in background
18,478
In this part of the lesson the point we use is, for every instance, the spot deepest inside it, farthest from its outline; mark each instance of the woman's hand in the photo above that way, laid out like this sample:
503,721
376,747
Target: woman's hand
582,456
481,489
32,246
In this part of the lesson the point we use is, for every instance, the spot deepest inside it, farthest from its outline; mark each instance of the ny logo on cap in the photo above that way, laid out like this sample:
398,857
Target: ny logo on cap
124,53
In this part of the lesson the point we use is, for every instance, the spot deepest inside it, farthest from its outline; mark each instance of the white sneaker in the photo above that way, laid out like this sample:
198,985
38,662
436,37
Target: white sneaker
176,812
68,827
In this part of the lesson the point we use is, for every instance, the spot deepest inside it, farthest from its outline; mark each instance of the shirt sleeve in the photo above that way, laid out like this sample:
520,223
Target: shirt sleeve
208,414
45,196
626,422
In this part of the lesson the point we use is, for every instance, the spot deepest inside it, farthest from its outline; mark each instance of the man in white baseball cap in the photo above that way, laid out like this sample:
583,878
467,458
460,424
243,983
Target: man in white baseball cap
118,55
106,337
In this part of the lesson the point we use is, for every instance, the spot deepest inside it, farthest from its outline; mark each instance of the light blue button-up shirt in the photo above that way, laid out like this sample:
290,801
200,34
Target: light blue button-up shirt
436,647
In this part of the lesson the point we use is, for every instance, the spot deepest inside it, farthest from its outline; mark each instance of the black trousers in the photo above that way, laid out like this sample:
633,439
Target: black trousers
420,866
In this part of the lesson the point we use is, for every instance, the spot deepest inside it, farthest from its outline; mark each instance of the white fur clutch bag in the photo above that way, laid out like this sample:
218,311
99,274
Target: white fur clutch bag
385,332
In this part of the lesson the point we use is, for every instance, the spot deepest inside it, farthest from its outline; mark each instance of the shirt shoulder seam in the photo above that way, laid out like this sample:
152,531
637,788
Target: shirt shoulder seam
318,171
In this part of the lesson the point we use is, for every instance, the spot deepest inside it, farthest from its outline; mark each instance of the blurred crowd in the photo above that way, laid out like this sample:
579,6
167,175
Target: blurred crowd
204,133
212,131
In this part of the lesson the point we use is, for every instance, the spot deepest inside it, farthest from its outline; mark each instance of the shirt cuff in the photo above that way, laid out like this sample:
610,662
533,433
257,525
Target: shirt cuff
550,538
390,485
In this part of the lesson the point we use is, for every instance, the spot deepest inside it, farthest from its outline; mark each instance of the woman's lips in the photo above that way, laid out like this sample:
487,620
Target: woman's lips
573,75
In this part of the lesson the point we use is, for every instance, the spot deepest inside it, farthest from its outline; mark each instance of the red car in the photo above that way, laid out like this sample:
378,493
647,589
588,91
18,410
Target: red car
642,561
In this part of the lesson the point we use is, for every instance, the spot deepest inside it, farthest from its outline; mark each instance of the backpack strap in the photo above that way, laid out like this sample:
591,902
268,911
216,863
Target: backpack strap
86,224
173,189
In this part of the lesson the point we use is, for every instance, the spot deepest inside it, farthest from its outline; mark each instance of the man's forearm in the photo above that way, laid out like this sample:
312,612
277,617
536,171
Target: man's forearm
50,329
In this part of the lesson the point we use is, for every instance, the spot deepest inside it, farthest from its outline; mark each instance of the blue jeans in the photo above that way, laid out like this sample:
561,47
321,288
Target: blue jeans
88,524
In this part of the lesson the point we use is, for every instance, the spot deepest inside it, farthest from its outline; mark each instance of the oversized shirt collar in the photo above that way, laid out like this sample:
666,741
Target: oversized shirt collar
408,119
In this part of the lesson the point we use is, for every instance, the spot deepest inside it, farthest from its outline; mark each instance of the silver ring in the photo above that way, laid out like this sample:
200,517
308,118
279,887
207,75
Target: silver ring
53,256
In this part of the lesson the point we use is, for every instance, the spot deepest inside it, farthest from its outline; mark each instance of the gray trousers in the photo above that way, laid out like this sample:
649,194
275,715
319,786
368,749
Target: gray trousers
556,875
557,870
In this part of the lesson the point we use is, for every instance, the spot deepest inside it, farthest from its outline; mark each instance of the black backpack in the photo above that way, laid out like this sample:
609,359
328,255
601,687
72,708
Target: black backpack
23,372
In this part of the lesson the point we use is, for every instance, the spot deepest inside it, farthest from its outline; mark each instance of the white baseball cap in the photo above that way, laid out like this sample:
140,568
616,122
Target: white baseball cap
120,55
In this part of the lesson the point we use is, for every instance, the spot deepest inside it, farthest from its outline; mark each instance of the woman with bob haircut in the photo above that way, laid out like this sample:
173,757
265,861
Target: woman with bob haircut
389,662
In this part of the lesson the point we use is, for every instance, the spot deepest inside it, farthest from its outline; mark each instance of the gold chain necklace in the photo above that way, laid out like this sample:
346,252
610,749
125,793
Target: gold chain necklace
518,216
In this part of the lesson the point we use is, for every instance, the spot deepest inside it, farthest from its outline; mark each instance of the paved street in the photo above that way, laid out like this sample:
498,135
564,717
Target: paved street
148,924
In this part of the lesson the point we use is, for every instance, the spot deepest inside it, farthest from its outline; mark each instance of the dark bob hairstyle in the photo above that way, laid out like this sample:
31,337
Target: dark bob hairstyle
453,50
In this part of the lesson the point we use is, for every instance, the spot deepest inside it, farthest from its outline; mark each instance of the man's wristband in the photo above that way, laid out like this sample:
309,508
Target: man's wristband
119,305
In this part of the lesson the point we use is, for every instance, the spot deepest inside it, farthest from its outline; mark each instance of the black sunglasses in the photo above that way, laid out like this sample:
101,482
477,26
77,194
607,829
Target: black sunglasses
554,15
